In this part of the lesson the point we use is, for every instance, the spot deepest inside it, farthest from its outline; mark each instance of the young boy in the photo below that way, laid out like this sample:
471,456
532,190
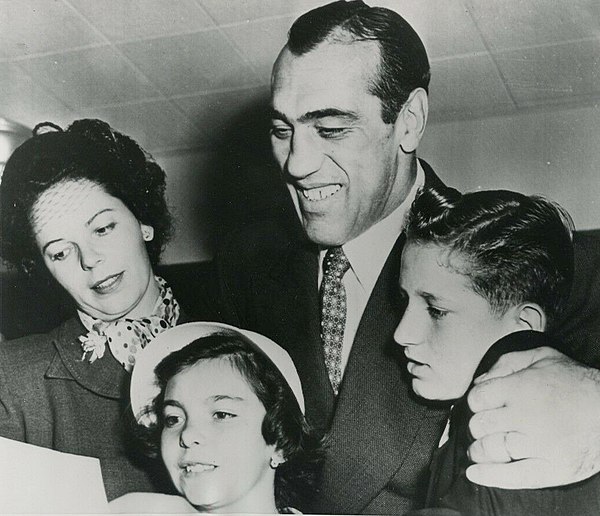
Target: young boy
485,274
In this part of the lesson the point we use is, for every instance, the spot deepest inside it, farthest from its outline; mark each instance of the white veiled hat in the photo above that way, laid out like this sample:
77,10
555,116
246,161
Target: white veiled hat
144,386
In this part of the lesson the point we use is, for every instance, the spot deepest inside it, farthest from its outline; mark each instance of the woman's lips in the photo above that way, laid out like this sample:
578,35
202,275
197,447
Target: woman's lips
108,284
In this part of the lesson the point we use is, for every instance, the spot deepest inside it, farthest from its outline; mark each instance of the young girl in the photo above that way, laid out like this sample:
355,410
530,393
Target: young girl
225,409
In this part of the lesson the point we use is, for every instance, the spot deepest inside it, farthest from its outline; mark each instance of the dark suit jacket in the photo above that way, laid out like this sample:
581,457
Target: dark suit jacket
381,436
50,397
449,487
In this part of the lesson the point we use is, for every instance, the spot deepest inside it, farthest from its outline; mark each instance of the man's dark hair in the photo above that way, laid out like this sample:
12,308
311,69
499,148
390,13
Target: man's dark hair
284,424
516,248
87,150
403,64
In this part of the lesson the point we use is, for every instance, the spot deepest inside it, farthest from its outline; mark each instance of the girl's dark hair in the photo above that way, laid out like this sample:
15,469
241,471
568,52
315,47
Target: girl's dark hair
284,425
517,248
88,150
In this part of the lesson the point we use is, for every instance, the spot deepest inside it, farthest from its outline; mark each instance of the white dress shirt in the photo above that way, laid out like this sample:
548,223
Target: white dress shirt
367,255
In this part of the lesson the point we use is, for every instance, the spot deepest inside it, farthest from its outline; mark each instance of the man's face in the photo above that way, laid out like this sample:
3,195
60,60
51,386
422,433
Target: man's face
338,157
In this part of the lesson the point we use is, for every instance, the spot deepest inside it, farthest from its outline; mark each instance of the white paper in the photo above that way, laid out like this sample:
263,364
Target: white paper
43,481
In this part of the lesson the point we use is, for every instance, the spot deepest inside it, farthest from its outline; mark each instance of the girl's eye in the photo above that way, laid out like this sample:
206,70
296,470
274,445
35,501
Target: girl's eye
436,313
103,230
221,415
171,420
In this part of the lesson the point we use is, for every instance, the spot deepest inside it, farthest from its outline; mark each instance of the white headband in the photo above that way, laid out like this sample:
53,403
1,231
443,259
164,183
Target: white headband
144,387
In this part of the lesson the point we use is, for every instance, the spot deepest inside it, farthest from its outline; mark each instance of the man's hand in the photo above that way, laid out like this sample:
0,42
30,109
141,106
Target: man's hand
536,422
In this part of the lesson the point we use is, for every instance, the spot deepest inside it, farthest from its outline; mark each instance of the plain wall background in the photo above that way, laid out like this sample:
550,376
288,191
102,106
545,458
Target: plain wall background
555,153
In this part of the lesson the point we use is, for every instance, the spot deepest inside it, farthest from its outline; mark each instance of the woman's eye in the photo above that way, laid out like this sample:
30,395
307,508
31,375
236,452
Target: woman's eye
61,255
436,313
221,415
103,230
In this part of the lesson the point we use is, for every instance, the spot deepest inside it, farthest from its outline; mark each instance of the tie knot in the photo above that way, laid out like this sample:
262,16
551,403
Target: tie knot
335,263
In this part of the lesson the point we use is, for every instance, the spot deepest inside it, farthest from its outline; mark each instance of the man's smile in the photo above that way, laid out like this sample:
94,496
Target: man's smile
320,193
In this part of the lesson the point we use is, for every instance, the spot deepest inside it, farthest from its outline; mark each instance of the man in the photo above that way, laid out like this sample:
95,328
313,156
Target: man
349,99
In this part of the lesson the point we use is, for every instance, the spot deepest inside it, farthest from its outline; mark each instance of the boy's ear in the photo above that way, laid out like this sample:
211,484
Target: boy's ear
410,123
531,316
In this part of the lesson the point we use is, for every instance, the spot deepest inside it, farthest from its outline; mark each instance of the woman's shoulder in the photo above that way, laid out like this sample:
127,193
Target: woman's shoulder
36,348
152,503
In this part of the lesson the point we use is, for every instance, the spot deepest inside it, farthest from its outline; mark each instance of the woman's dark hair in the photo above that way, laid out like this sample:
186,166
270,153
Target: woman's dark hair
516,248
86,150
284,425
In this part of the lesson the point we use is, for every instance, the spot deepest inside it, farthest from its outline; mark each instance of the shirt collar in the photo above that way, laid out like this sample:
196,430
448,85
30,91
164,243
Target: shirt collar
366,263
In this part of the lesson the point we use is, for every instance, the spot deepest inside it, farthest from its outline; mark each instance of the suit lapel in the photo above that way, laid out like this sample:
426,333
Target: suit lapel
377,417
374,411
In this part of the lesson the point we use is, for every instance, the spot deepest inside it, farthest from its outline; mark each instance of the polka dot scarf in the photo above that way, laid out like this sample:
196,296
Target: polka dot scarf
127,337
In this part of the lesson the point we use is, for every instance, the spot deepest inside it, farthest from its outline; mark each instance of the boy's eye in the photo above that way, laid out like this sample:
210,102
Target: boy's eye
104,230
436,313
221,415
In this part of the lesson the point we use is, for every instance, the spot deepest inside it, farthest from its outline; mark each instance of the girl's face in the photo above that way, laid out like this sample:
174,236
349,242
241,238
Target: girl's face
94,247
211,442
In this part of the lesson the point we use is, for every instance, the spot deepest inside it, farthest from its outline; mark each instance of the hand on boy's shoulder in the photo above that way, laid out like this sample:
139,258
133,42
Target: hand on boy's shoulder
150,503
540,410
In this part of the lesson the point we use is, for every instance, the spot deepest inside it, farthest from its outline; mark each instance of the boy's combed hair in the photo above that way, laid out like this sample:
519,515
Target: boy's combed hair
283,425
515,247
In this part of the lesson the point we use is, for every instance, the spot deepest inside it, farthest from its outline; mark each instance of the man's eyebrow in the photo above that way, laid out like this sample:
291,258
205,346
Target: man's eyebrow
317,114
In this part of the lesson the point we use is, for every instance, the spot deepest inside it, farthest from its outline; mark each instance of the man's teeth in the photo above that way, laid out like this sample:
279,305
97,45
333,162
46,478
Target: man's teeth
318,194
196,468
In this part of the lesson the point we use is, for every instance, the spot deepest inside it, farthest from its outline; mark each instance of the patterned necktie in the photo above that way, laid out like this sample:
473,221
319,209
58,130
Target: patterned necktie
333,312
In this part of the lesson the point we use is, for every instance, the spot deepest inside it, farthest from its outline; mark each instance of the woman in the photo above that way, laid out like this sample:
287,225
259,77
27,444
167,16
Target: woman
223,407
87,206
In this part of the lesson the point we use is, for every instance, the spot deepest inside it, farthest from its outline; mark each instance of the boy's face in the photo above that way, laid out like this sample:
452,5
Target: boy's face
447,327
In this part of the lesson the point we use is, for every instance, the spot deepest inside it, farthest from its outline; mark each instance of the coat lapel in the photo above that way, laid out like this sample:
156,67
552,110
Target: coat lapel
378,417
375,410
105,376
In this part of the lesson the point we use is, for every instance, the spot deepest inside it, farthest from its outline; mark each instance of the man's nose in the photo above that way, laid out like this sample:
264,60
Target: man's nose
89,256
193,434
305,156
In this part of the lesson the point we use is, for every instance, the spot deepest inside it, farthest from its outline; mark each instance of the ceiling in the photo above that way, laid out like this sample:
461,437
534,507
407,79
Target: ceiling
174,73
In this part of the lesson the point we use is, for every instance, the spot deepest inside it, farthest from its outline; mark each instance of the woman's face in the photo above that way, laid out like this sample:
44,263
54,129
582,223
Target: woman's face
211,442
94,247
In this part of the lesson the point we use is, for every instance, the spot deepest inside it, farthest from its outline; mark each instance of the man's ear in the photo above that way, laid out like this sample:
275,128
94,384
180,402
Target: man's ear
411,121
531,316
